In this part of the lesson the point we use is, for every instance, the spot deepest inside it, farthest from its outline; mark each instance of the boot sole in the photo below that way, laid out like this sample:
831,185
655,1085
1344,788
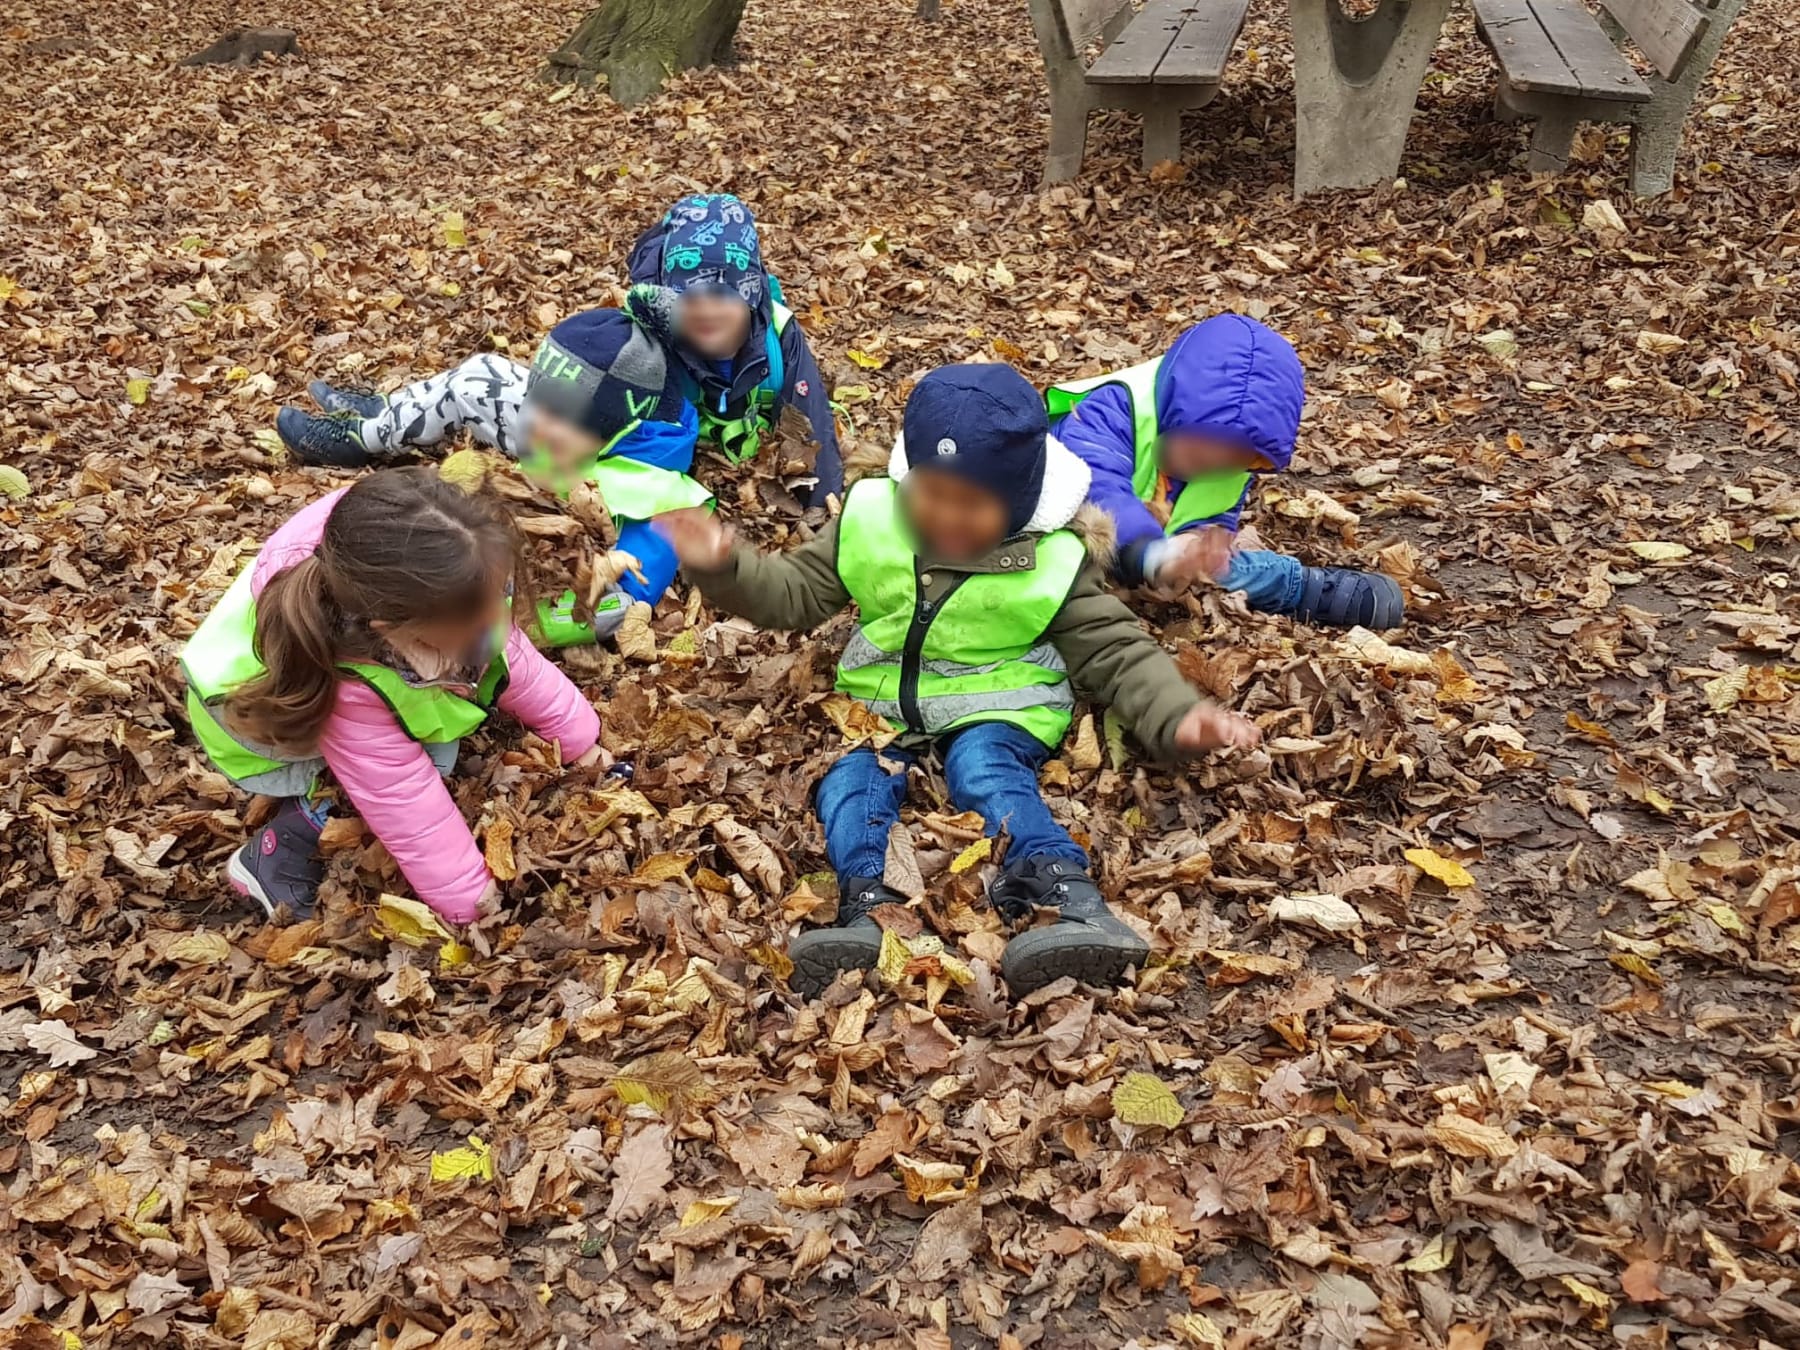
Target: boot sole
244,882
818,962
1031,961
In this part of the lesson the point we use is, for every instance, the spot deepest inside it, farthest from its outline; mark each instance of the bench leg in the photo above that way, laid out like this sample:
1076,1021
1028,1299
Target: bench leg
1356,82
1504,111
1068,138
1654,143
1162,135
1552,142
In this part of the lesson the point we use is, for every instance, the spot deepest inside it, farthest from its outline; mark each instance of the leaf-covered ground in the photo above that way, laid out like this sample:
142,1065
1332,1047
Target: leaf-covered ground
1533,1081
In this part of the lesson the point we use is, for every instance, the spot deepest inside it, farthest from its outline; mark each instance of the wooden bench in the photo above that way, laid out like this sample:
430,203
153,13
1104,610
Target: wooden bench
1563,65
1159,62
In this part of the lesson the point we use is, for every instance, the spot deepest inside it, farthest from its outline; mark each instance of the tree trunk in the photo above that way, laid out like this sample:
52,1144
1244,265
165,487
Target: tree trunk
638,44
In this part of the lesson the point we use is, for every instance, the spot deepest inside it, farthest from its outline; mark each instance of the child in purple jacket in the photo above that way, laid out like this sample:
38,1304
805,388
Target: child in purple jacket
1176,444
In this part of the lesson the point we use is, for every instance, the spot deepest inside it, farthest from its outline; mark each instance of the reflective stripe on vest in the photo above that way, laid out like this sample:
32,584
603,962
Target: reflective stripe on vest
631,489
739,438
1203,498
979,655
221,656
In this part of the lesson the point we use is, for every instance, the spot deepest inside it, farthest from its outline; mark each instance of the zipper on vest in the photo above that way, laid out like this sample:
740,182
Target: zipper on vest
911,654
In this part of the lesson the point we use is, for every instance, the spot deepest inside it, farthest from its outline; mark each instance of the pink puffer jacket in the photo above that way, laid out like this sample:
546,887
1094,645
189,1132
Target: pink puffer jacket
389,777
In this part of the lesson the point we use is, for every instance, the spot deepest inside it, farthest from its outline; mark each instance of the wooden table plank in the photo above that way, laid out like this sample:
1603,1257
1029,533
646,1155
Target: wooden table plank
1555,47
1203,46
1133,56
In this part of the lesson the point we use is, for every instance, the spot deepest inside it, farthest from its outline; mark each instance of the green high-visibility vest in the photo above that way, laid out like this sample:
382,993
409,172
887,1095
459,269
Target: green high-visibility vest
740,437
1209,495
221,656
631,489
977,655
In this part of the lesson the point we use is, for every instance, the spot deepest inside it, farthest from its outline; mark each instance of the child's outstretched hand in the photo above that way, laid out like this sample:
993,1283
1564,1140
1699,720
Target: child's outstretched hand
1194,554
697,537
1210,727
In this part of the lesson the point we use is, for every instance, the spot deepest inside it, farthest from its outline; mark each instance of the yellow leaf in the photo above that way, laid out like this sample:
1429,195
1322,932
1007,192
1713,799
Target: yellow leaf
1456,1133
499,851
468,469
1435,1255
237,373
13,483
1633,964
1727,918
454,232
935,1182
704,1211
1589,1295
971,855
1002,274
661,1081
1659,550
199,949
1658,800
1587,728
8,288
1723,693
891,964
1436,865
409,921
450,289
774,961
138,391
866,361
1144,1099
453,954
474,1162
1197,1330
1669,1087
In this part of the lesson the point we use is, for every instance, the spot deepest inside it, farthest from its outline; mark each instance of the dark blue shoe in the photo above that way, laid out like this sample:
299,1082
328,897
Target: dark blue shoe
1342,597
280,867
334,439
334,400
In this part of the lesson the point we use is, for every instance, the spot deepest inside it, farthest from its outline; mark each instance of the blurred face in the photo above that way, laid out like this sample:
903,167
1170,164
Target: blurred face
469,637
565,445
954,519
1186,455
716,326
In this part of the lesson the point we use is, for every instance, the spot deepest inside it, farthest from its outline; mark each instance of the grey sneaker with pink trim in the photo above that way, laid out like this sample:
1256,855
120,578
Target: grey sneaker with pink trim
279,867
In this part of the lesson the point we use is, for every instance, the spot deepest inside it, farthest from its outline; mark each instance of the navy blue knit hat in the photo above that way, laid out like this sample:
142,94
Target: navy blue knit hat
984,423
602,372
710,246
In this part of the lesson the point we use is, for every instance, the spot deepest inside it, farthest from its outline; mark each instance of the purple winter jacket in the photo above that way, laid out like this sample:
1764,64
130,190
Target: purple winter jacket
1228,376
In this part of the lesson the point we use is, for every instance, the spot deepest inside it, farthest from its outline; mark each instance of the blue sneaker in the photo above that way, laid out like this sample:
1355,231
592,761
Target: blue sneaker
280,867
335,400
333,439
1342,597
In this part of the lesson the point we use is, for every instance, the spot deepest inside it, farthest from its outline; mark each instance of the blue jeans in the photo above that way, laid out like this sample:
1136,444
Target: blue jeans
1271,582
991,767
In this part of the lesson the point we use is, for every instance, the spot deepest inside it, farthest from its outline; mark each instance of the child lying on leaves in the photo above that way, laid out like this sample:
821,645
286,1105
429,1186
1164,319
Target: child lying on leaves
599,404
982,605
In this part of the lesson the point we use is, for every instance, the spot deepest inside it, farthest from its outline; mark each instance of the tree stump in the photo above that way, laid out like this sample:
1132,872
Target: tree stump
243,46
638,44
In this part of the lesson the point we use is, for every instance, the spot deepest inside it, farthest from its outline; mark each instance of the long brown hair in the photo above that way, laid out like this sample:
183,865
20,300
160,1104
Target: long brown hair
402,547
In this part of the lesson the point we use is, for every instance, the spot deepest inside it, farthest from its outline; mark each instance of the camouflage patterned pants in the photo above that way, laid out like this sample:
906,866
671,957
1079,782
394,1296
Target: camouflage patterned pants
484,396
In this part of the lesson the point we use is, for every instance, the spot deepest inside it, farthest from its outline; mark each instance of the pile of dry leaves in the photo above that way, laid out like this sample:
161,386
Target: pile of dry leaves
1472,1014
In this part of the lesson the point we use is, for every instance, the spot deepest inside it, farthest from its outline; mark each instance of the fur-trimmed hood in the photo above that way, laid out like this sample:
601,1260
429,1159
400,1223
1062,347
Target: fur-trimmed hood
1087,522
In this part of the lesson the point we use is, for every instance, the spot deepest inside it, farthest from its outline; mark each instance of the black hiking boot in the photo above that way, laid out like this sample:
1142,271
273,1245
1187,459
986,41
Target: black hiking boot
853,943
279,867
1342,597
335,400
1090,942
333,439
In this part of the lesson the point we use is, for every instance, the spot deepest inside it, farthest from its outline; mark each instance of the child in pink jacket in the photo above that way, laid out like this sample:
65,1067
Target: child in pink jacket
372,632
